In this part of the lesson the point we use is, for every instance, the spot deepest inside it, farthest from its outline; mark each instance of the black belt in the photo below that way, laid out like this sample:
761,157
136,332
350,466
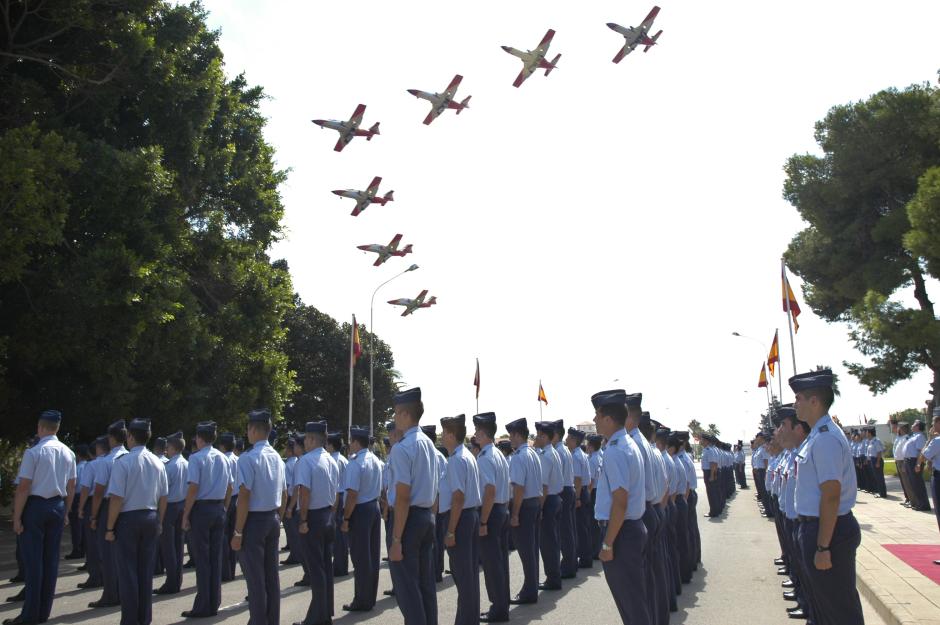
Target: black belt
53,498
210,501
802,518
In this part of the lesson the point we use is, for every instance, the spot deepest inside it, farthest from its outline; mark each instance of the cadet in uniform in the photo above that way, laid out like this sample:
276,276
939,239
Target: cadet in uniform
876,450
595,458
553,484
44,493
681,489
117,434
567,530
494,518
621,505
581,468
290,521
695,539
825,494
227,447
262,498
388,495
912,450
710,474
902,434
87,485
137,493
334,446
210,487
317,478
528,493
462,505
440,522
171,537
361,519
75,526
931,453
414,475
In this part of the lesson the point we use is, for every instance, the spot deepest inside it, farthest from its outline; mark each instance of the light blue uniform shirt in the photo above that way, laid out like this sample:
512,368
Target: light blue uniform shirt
176,474
760,457
289,465
932,452
875,446
708,458
914,444
88,476
825,456
364,475
233,468
646,456
567,464
494,471
463,475
789,484
387,485
341,464
318,473
659,474
622,468
79,469
672,473
414,463
682,482
103,468
50,465
551,470
210,470
739,457
899,443
525,470
261,472
140,478
582,467
596,459
690,474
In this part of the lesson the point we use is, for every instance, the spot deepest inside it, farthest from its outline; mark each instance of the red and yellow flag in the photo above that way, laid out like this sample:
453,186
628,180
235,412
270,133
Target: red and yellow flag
542,396
788,296
476,379
356,344
762,382
774,356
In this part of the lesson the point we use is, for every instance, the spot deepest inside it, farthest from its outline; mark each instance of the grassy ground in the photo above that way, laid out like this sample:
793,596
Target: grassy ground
892,469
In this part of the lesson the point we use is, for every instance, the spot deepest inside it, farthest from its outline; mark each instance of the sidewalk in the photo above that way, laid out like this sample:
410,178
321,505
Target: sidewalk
900,593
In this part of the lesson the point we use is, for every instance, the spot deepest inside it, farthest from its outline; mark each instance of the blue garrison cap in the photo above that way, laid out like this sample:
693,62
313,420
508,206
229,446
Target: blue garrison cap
595,439
674,440
484,418
634,400
609,398
117,427
548,427
784,412
291,442
175,436
460,419
559,426
51,415
298,440
645,417
315,427
206,427
519,425
663,432
139,425
811,379
504,445
656,424
159,441
335,438
81,449
260,415
411,396
430,431
576,433
359,432
101,441
227,438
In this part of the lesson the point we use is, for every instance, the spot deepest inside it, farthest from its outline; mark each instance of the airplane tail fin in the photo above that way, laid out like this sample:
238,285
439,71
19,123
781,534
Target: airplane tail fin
387,197
651,41
407,250
373,131
433,300
552,65
464,104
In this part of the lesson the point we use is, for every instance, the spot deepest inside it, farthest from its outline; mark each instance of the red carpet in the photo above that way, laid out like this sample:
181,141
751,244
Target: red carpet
920,558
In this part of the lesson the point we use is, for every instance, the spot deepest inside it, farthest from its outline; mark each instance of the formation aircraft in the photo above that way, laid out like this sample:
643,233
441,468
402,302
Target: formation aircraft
386,251
412,305
440,102
635,36
364,198
349,129
534,59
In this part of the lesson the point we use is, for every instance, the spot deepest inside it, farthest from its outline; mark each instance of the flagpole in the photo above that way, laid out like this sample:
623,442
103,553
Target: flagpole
786,295
352,347
779,368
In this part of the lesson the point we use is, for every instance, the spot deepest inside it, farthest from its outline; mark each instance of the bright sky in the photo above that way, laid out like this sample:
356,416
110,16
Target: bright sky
607,226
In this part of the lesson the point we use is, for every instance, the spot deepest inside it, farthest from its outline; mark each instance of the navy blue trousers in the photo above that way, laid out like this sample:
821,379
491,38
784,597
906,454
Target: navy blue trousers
583,517
364,540
92,549
526,539
75,530
43,521
135,554
440,529
171,546
413,576
549,538
660,560
834,594
207,531
695,536
229,557
625,575
494,554
259,562
318,555
109,593
465,567
340,545
658,608
683,542
568,533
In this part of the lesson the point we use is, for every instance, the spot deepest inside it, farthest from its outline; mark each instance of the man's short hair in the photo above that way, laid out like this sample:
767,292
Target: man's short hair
47,424
261,426
824,394
488,428
207,437
617,412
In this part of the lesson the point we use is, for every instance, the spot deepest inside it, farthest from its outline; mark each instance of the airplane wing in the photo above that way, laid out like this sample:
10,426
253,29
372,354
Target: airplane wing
360,206
648,22
431,116
374,185
421,296
393,245
381,259
356,118
521,78
339,145
452,87
547,39
401,301
624,51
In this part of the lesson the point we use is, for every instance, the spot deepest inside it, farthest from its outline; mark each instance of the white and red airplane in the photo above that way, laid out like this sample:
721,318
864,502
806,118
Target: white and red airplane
386,251
412,305
440,102
348,130
636,36
364,198
534,59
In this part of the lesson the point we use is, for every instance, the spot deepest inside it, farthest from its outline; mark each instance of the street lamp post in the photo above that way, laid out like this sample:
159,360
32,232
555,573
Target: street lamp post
372,348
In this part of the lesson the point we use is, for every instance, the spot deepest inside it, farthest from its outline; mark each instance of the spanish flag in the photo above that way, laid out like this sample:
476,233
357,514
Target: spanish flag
356,344
476,379
774,356
762,382
542,396
788,296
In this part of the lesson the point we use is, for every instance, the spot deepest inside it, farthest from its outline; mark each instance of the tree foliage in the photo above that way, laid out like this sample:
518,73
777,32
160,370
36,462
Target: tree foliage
871,208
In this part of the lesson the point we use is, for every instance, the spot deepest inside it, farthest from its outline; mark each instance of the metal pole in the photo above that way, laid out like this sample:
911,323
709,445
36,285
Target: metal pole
779,367
786,295
352,334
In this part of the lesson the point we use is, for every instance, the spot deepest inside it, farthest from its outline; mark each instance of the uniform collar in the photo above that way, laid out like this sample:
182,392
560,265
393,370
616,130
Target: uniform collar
520,447
115,450
618,436
138,449
45,439
486,448
823,421
260,444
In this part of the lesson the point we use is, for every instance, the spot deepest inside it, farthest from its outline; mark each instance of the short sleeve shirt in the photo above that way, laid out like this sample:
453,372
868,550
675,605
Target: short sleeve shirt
49,465
139,478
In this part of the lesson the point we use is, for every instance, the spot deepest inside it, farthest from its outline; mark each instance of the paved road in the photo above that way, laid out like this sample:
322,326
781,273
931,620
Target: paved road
737,580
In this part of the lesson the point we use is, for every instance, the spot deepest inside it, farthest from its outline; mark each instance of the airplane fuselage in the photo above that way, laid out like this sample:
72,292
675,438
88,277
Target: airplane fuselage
630,34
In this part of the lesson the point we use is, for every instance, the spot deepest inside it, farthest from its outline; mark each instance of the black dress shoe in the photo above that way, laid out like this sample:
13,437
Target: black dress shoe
335,574
18,621
349,607
797,614
189,565
103,604
20,596
779,562
83,567
191,614
486,618
787,583
302,582
793,609
789,596
165,591
549,586
73,556
569,576
783,571
285,548
389,593
86,585
519,601
17,579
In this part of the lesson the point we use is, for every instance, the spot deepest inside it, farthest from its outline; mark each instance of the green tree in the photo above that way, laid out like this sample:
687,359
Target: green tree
149,199
695,428
713,430
908,414
852,255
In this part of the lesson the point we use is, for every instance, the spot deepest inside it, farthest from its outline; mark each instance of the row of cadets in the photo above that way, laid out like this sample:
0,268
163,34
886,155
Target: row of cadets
567,528
670,512
295,447
85,491
430,431
117,435
739,473
759,460
82,452
388,497
868,454
595,445
665,591
226,444
931,454
685,457
774,483
710,475
906,461
528,495
552,484
582,495
361,518
171,535
334,445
